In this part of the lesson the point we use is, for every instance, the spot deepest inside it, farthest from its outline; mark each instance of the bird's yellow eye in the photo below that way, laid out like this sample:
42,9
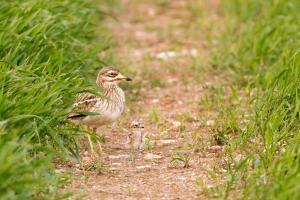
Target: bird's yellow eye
112,74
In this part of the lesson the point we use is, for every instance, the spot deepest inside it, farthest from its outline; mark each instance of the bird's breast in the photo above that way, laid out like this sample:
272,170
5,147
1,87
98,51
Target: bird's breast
108,113
109,109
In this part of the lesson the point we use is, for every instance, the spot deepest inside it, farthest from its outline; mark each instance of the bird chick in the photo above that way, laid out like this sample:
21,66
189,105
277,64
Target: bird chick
136,137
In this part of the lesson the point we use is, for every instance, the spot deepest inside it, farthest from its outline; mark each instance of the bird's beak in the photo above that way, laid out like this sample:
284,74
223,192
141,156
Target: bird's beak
122,77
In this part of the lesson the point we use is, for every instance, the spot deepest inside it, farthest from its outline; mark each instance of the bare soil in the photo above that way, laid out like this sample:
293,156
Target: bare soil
161,44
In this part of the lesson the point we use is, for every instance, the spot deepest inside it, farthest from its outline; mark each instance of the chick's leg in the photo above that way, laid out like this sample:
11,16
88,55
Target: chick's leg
138,140
131,144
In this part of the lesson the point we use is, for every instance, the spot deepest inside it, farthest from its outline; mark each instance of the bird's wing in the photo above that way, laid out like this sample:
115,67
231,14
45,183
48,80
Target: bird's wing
83,106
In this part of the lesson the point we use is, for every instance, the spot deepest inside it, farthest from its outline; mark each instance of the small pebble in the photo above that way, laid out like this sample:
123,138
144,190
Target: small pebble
143,167
155,100
167,142
216,147
151,156
122,156
114,169
210,122
238,158
176,124
116,164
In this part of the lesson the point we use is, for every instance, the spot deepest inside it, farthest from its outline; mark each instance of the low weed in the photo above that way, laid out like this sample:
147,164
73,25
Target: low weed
260,48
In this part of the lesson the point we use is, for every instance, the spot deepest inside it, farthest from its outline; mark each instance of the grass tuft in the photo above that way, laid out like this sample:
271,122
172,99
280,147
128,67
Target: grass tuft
47,48
260,48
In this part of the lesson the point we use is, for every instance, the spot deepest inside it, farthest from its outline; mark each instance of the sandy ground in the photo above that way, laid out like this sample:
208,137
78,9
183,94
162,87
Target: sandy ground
160,44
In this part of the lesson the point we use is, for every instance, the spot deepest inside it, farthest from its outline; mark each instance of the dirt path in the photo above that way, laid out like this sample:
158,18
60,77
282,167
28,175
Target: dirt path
160,44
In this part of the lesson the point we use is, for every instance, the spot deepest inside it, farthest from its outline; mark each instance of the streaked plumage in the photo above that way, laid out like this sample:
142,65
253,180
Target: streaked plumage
94,111
102,110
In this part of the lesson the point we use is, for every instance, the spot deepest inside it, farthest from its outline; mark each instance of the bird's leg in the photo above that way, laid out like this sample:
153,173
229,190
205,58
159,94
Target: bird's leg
98,143
90,141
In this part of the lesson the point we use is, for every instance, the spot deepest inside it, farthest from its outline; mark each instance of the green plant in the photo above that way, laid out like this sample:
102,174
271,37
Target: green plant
45,54
181,158
261,52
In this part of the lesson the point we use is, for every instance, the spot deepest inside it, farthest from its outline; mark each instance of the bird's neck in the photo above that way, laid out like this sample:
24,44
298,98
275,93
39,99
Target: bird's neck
114,93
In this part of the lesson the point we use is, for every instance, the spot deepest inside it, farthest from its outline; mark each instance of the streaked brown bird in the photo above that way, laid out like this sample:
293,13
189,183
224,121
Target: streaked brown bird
94,111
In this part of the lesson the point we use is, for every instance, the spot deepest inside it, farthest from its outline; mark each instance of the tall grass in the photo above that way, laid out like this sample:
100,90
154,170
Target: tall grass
46,48
262,51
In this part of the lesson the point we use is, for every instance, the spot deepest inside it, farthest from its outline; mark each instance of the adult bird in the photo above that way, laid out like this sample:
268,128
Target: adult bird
94,111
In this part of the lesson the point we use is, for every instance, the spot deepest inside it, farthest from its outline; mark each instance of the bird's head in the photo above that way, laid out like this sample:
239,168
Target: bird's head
137,124
109,76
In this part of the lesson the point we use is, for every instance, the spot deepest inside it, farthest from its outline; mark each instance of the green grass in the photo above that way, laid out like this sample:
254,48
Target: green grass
47,48
260,47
